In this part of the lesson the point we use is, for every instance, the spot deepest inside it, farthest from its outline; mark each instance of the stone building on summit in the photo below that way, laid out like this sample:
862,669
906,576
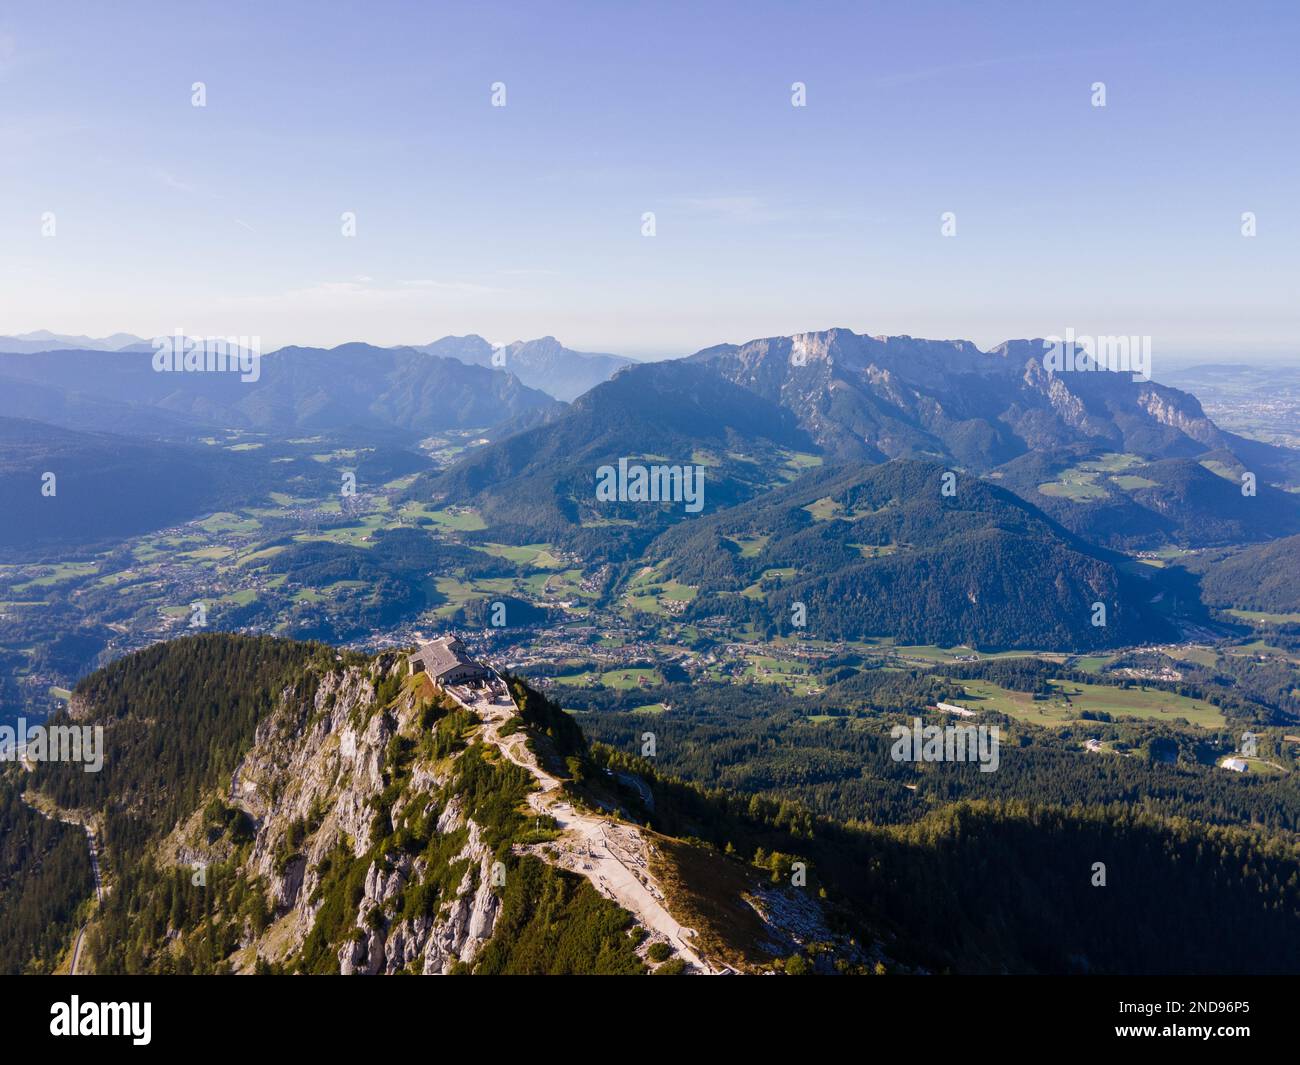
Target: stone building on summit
446,662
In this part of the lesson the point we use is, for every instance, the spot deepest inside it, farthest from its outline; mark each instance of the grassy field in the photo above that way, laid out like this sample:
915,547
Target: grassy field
1079,488
650,708
458,592
798,463
1220,469
462,519
58,574
750,546
1131,482
1202,656
1086,481
797,676
1262,617
563,585
755,590
1092,663
1069,700
537,555
223,522
647,588
618,679
825,509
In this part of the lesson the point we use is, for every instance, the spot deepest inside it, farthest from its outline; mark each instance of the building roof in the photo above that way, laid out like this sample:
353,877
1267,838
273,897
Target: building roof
438,656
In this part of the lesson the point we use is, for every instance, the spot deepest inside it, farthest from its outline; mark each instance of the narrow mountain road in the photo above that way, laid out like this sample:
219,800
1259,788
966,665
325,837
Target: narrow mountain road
76,950
94,869
99,893
610,854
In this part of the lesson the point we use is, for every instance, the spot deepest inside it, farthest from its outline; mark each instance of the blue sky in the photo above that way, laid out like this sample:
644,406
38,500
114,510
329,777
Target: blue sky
526,220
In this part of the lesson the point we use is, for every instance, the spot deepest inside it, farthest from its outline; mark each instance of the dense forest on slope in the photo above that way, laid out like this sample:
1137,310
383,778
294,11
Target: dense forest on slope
886,550
44,878
1012,886
1265,577
180,716
352,386
540,485
832,754
177,718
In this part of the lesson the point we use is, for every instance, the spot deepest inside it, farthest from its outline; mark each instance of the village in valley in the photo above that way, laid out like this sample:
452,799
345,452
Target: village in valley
581,633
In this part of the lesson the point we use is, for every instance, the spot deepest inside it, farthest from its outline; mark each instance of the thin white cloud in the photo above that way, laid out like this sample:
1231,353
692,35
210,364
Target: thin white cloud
166,177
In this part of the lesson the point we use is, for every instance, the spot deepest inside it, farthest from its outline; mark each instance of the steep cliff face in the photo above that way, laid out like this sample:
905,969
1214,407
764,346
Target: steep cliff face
331,779
869,397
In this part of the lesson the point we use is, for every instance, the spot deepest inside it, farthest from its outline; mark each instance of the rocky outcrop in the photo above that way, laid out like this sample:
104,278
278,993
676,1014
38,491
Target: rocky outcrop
312,785
427,945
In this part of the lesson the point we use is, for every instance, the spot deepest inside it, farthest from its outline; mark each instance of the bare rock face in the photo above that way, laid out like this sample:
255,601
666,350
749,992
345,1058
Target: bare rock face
311,783
881,396
429,945
471,917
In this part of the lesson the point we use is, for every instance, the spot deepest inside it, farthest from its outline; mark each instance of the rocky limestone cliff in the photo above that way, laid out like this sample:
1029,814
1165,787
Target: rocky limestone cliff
310,785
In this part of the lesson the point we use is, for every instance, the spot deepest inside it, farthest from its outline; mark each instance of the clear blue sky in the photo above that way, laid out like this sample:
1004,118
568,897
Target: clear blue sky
525,220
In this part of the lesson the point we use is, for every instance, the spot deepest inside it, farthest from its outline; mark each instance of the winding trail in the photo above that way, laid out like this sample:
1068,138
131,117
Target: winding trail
611,854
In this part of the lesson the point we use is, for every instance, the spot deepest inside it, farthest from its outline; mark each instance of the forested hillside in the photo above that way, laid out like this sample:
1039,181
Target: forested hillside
888,550
1265,578
332,795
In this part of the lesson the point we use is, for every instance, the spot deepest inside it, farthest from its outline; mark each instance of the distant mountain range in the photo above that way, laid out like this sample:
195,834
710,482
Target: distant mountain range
1098,460
1126,462
544,364
44,340
876,398
350,386
820,455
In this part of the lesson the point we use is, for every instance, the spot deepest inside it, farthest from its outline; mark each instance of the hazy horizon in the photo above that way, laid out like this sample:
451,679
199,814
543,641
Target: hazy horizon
1163,362
524,220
